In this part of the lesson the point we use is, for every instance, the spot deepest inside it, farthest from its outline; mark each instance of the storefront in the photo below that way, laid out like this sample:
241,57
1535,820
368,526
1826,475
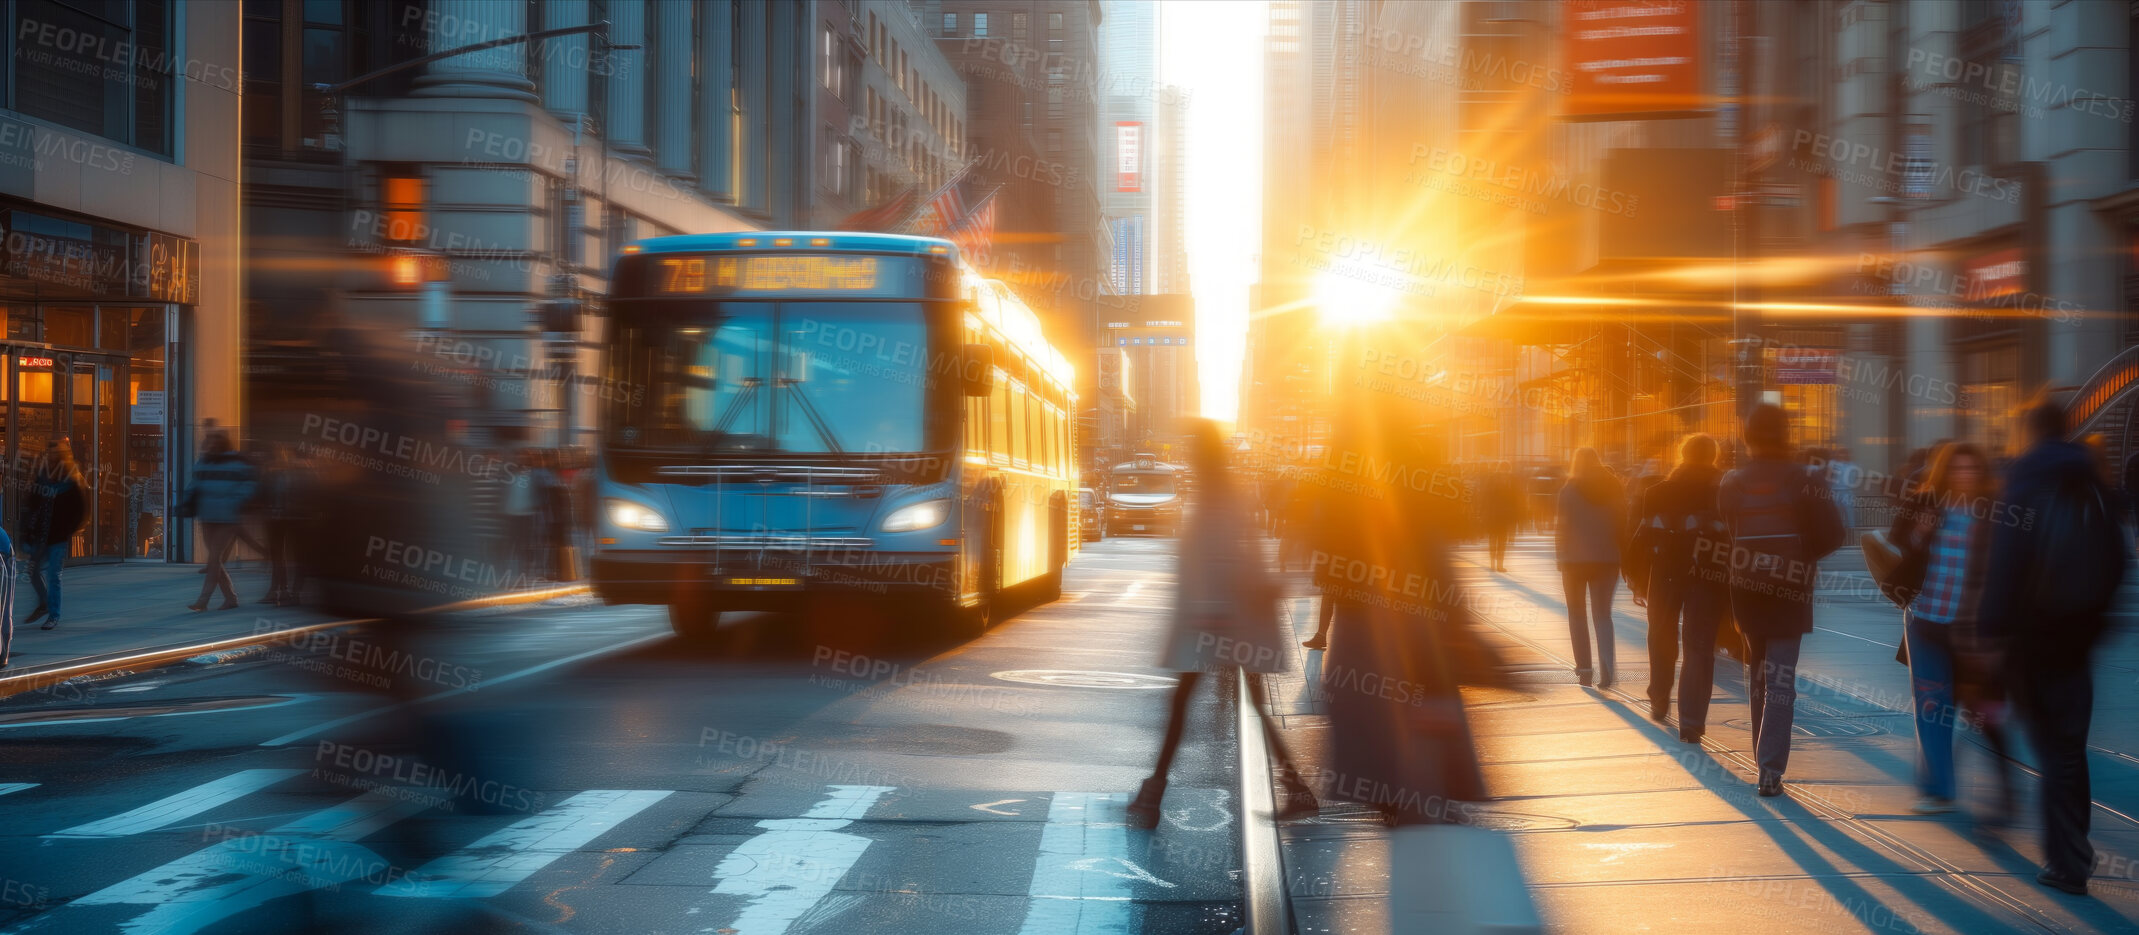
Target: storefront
1988,336
91,313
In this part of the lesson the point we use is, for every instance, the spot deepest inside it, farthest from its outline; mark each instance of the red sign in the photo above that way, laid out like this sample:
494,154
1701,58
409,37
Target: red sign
34,363
1996,275
1128,156
1633,57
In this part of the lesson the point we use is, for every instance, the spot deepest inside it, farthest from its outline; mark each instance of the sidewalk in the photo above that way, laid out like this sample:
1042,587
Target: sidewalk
138,605
1622,828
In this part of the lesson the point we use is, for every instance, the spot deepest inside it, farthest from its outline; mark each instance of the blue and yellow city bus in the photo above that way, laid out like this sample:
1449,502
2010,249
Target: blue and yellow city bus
792,415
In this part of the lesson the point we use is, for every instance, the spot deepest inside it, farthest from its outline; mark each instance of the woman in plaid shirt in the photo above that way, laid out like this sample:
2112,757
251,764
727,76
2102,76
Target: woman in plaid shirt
1946,527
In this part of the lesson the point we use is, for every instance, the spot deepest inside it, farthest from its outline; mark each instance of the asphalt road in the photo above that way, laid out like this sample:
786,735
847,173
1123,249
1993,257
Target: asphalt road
575,768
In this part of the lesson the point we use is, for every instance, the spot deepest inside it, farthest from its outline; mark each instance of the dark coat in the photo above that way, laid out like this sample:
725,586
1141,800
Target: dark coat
1400,646
52,512
1785,611
1689,490
2029,482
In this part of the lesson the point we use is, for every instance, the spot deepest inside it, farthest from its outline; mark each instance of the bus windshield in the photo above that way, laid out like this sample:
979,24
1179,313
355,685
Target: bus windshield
787,377
1143,483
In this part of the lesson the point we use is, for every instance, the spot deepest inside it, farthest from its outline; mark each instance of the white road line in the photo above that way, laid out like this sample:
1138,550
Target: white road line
795,863
295,736
7,787
176,808
194,892
1084,830
502,859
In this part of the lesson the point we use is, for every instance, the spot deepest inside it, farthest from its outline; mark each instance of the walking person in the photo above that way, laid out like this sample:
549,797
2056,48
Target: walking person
223,483
1224,618
1501,509
523,518
1678,520
52,513
1586,540
2050,584
1781,522
1943,535
285,493
7,597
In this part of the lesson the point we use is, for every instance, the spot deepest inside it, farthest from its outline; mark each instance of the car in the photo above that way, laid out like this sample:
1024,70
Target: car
1091,515
1142,497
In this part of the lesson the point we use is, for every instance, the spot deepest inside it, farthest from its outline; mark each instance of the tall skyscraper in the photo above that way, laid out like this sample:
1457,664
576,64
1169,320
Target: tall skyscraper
1127,90
1169,161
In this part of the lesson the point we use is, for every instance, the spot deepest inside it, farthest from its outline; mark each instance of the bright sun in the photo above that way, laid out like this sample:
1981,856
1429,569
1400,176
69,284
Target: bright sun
1349,300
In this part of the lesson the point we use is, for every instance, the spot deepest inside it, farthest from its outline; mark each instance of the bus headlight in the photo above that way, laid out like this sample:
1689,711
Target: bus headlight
914,516
630,515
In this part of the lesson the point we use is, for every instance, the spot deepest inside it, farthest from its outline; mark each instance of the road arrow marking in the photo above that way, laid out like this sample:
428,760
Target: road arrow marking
991,809
1092,865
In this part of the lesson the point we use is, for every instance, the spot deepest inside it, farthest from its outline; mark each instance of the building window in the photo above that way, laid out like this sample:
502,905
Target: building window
108,72
980,24
1054,140
401,201
1017,26
1989,102
950,24
1054,23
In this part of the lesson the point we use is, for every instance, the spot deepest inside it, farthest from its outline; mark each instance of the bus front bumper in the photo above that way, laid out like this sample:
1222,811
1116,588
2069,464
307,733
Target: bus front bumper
749,580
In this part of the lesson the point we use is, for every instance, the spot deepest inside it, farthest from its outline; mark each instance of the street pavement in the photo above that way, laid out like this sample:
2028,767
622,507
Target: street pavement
573,767
1622,828
570,767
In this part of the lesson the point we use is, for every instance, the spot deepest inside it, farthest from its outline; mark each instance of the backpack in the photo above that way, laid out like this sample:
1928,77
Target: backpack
2081,551
1667,538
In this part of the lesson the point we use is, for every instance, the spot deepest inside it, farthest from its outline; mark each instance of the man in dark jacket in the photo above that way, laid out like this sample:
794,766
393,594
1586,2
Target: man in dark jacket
1781,521
2053,682
1674,515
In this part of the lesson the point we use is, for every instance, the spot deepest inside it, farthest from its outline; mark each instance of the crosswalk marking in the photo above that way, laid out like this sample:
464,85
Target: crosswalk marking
196,891
7,787
176,808
796,862
1083,830
501,860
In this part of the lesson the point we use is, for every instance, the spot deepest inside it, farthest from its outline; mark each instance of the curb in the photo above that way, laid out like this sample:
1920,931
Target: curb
1264,904
230,649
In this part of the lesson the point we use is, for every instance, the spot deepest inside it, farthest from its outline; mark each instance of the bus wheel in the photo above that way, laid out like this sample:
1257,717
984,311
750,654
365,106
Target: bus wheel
694,620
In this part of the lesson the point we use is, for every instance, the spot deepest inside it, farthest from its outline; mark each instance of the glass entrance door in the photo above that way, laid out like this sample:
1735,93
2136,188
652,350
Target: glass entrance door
58,394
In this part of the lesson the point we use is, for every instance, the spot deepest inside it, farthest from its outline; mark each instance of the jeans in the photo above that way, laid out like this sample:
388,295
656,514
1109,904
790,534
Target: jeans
1689,611
1931,683
45,565
221,538
287,576
1596,581
7,602
1771,681
2054,691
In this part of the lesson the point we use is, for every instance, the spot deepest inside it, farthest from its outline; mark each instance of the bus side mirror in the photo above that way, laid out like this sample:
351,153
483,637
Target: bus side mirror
978,372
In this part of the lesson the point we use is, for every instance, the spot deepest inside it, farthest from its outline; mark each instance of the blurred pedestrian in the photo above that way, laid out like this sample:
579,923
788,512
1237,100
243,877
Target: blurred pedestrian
1501,510
7,597
1943,536
1224,618
1678,519
1402,643
284,496
557,516
223,484
52,512
1586,541
523,517
1781,522
2049,586
1842,486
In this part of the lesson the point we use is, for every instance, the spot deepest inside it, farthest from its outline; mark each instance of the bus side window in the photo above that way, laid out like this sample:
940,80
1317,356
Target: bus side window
999,419
977,424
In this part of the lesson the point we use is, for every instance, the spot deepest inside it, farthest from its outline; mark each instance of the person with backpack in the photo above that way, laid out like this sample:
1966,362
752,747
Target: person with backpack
2056,559
1586,545
1781,522
51,514
1683,606
1943,537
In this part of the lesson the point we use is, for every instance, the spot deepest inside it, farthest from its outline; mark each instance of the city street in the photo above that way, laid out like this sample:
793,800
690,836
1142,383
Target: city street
603,777
621,782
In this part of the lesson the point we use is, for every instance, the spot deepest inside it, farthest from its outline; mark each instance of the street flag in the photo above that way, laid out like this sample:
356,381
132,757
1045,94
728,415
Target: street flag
975,233
883,218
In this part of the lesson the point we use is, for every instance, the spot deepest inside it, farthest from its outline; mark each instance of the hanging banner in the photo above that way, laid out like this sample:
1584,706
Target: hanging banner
1128,156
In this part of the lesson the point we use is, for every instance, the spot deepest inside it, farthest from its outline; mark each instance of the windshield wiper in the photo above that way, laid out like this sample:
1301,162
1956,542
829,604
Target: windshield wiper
824,430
